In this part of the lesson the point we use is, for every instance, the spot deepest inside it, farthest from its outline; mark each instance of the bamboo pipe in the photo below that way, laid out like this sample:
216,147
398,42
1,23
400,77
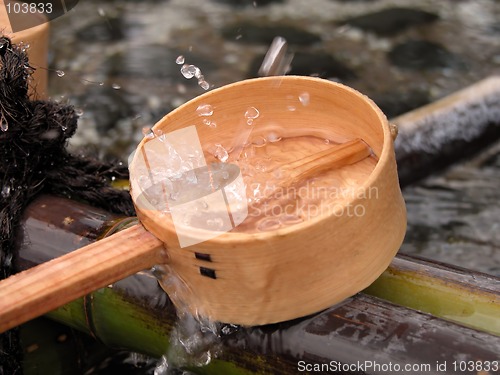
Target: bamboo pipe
39,290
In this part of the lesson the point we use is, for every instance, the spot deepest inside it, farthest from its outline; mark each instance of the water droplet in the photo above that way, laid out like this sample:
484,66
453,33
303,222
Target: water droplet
147,132
252,113
116,86
60,73
4,125
162,366
259,141
221,153
209,123
6,191
64,128
238,37
204,84
291,108
273,137
287,219
159,134
327,141
304,98
269,223
101,12
205,110
179,60
189,71
79,112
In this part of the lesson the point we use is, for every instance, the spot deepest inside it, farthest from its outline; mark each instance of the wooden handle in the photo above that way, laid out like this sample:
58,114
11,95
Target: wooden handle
345,154
36,291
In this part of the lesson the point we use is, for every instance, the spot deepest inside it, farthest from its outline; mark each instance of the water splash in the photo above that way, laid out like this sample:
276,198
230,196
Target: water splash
180,60
251,114
4,125
304,98
221,153
268,223
147,132
203,84
277,61
189,71
6,191
60,73
205,110
194,340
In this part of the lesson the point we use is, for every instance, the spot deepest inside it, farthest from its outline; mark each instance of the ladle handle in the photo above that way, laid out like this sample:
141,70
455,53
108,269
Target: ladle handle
337,157
36,291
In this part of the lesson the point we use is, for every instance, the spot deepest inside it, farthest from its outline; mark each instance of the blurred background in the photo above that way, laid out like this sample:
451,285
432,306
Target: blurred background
116,60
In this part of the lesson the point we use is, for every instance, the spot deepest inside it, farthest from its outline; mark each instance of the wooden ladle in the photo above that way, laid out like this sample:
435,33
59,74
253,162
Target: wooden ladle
239,277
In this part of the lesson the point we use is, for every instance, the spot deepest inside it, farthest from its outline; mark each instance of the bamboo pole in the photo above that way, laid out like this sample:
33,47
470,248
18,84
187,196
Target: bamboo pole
136,314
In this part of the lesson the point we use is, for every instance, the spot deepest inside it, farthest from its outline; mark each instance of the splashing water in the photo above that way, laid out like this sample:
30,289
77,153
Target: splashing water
189,71
179,60
194,341
205,110
277,61
60,73
147,132
203,84
221,153
304,98
6,191
4,125
251,114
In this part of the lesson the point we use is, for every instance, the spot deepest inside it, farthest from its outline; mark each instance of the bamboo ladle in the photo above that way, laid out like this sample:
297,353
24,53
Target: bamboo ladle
248,278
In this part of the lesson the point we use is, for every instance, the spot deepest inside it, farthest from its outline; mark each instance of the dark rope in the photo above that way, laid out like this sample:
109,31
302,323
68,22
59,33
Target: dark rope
33,159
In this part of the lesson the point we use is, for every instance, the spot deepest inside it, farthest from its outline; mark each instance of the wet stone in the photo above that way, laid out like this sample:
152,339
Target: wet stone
316,64
105,29
264,34
395,103
421,55
106,105
151,61
391,21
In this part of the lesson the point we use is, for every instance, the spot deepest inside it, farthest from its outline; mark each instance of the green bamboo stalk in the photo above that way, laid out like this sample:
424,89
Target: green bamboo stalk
459,295
53,348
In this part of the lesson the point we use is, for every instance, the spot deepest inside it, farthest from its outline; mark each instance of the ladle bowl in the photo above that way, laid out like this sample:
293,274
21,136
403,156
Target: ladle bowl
272,276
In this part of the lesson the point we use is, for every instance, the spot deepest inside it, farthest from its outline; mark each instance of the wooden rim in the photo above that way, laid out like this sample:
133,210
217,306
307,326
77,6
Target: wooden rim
385,155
